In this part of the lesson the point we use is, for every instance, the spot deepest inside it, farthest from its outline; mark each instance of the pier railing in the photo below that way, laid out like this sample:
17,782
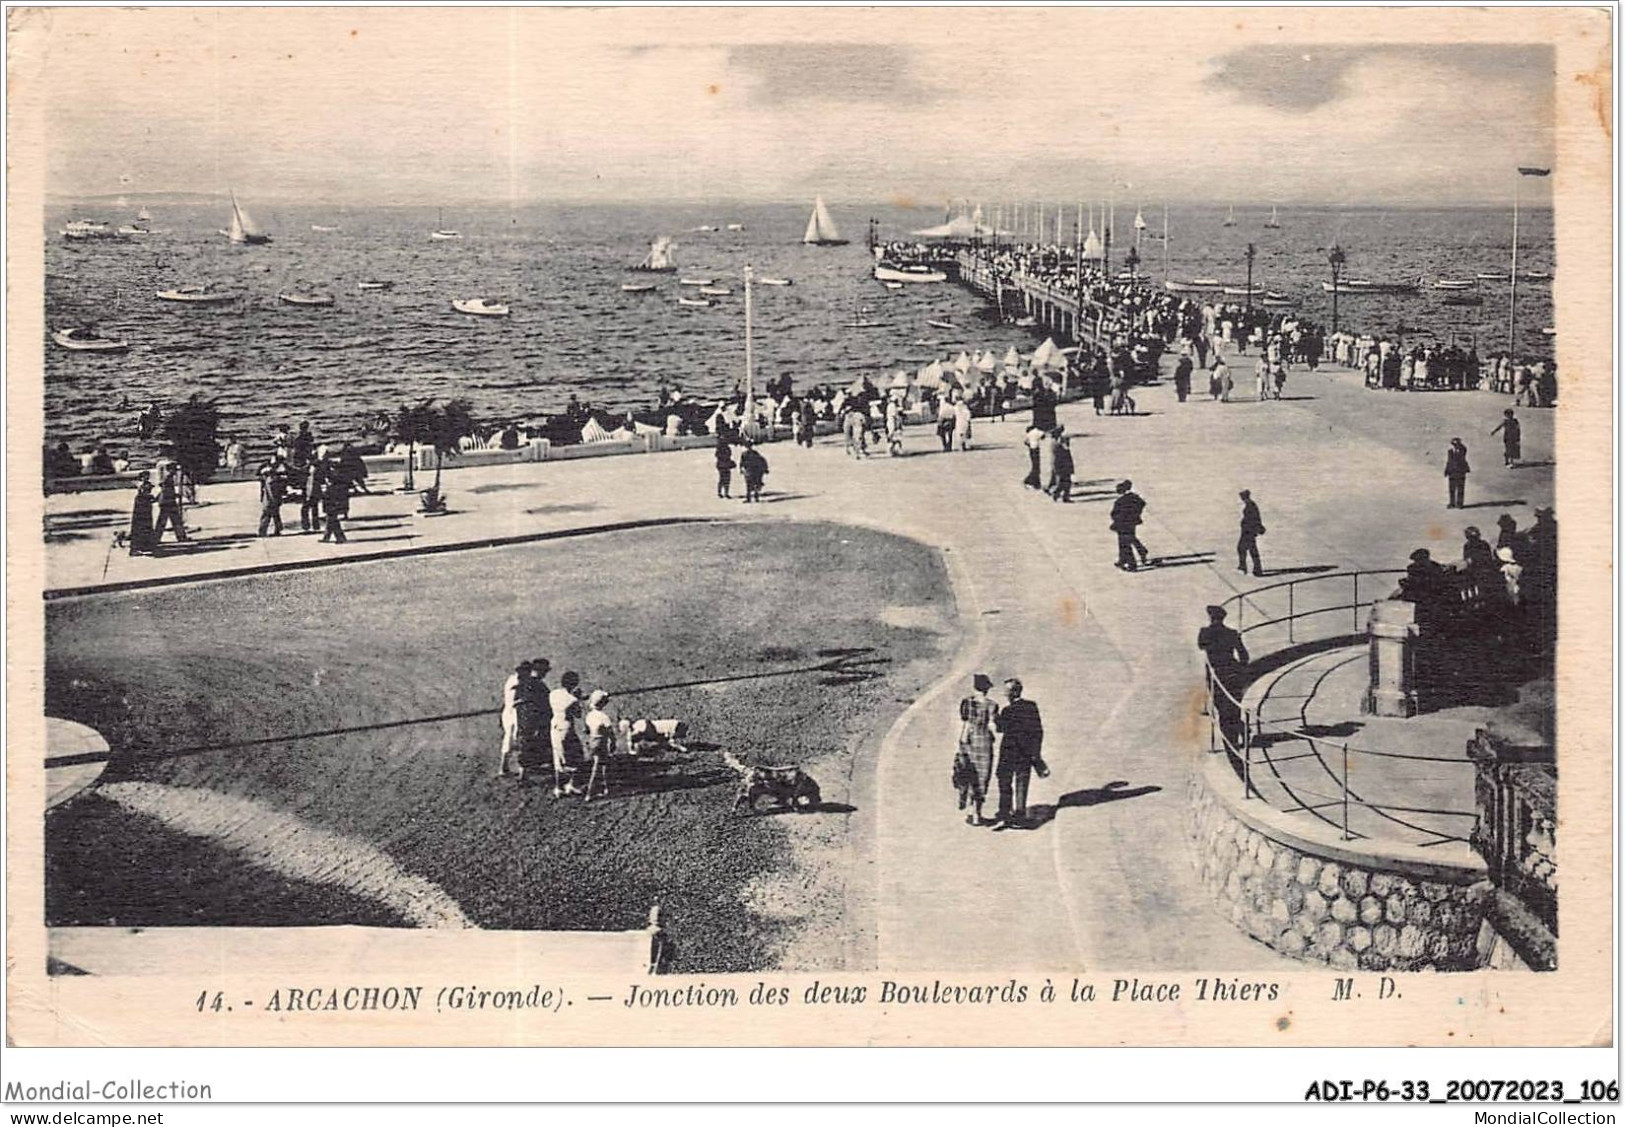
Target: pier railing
1302,612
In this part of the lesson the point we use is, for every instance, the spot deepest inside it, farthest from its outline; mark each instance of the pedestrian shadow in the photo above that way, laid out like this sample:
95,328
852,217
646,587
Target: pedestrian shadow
775,498
378,539
1094,495
1296,398
1115,791
574,507
1309,569
821,808
505,486
1181,561
375,516
211,544
1532,465
1494,504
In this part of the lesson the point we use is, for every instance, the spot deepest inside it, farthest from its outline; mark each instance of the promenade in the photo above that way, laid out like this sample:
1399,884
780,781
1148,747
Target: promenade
1347,478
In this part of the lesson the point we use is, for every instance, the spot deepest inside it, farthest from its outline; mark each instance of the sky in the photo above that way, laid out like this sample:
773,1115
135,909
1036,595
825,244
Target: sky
378,105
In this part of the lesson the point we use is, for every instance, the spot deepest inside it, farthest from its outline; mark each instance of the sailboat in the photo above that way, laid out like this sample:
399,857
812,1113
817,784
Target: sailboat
143,216
441,231
660,259
243,230
821,231
1274,224
1230,218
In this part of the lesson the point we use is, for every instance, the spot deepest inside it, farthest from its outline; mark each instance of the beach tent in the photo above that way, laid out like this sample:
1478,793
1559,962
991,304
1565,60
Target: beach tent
1044,353
900,380
962,363
1012,359
594,432
931,375
987,363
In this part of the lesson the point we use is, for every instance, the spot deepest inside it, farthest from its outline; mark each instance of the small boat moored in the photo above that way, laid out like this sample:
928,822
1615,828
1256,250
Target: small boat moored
913,272
479,307
1454,284
1491,276
375,284
1362,285
88,340
195,295
695,281
892,285
696,302
304,297
638,287
1195,285
716,291
942,325
773,282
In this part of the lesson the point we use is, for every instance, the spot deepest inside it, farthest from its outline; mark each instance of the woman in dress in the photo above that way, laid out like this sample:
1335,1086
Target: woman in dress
141,538
973,760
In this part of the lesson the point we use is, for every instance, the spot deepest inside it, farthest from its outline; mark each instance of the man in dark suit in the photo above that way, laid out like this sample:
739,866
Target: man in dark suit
1127,513
1020,753
1456,470
1252,527
1226,658
1043,404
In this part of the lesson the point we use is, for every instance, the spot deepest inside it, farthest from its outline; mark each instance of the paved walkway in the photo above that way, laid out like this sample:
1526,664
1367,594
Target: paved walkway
1347,478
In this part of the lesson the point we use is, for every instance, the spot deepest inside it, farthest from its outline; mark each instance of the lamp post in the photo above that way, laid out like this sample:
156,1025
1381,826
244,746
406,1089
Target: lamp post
1336,258
1252,253
1132,261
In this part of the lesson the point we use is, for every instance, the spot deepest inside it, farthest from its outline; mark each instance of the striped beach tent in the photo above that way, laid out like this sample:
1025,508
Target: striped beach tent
594,431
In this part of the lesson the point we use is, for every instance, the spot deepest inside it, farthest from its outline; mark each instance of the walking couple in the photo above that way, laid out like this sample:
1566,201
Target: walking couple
1020,734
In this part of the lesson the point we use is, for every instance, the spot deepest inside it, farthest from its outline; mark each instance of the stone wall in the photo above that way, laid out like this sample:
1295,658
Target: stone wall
1330,902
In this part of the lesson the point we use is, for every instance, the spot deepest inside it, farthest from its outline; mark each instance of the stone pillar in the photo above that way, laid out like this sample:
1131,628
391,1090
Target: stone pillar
1393,634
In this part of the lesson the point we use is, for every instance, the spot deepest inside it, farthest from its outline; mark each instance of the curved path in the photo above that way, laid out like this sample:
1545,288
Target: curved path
1105,879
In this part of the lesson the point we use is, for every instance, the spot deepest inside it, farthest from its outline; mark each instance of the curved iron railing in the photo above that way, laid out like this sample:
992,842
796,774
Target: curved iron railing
1240,738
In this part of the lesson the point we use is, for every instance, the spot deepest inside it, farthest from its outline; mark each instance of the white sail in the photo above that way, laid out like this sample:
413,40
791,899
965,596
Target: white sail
1091,244
243,229
144,216
820,227
1139,220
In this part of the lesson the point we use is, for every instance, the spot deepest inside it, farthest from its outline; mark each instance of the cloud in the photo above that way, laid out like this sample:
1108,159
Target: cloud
786,74
1303,77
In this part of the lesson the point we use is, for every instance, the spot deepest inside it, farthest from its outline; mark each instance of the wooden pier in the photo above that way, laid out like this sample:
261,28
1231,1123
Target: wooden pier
1064,315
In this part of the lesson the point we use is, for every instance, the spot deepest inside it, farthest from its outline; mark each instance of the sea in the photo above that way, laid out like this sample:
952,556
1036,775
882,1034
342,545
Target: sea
573,331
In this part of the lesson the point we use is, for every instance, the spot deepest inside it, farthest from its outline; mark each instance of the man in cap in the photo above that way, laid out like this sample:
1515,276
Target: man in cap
1456,470
1020,753
1252,527
1127,513
535,716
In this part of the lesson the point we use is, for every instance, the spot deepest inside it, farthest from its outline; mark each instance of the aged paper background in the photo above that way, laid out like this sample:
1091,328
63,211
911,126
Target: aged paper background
1568,1007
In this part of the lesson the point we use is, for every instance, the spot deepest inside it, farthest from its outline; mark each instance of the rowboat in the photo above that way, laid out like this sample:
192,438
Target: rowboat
195,295
1549,331
1537,275
322,227
479,307
892,285
638,287
695,281
86,340
1453,284
716,291
1491,276
913,272
942,324
773,282
1243,291
1195,285
374,284
696,302
1272,298
736,226
1362,286
129,232
304,297
82,230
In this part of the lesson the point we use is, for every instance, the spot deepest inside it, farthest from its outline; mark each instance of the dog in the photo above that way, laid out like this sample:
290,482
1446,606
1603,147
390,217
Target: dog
640,737
789,788
121,539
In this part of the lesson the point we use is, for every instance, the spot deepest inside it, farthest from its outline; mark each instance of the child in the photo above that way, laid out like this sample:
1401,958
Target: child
600,744
1062,490
725,467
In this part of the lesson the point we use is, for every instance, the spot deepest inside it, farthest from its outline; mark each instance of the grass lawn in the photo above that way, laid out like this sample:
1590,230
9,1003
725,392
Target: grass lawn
363,700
